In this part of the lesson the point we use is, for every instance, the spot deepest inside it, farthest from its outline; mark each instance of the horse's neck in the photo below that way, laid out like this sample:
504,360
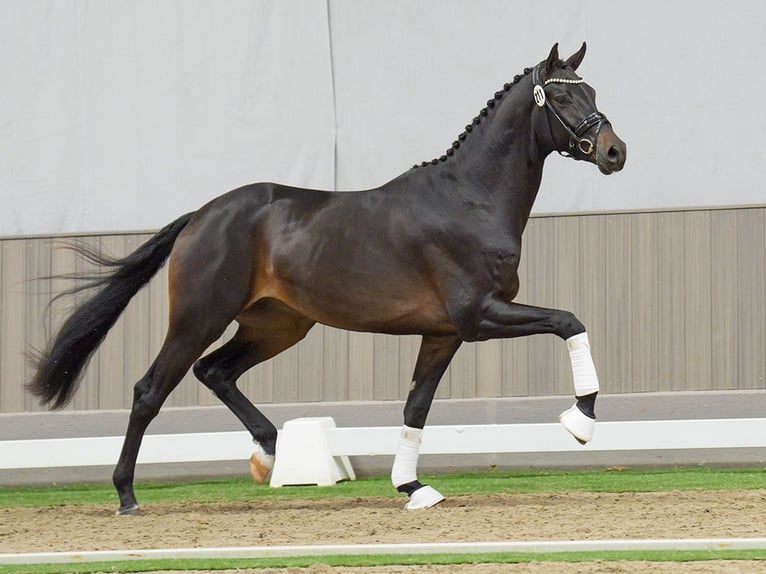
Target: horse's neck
501,163
496,170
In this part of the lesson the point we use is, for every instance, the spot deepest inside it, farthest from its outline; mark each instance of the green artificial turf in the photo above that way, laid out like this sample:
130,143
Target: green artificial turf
491,481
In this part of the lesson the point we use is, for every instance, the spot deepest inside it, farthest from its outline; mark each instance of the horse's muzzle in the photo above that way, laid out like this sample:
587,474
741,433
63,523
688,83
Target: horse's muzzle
610,151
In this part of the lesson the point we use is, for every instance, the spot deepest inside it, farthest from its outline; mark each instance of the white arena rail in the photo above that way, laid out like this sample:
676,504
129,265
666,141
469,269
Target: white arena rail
371,441
551,437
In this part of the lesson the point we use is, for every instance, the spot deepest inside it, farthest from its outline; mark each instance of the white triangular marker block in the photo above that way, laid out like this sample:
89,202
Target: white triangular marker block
303,455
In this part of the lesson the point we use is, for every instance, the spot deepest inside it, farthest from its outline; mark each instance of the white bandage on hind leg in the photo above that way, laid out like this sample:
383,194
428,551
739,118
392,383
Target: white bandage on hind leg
583,369
406,461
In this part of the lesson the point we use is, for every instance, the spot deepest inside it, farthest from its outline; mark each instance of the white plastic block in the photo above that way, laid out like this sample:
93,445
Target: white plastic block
304,456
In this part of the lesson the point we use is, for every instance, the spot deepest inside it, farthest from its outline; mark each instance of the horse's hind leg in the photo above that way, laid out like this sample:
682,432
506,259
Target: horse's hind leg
266,329
178,352
433,358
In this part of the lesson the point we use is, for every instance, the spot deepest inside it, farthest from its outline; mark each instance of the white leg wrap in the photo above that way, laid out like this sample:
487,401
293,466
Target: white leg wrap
405,467
583,369
585,383
406,461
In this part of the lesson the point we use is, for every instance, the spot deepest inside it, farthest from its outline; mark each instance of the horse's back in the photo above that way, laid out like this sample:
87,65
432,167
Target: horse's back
348,259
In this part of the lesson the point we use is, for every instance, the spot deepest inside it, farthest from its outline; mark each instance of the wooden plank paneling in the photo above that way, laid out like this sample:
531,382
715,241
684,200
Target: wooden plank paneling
444,390
619,327
644,306
671,301
386,367
540,292
37,288
286,376
515,376
409,346
463,375
311,366
750,296
566,279
87,397
489,369
3,335
592,292
137,354
697,270
335,365
12,300
157,324
361,368
724,286
258,383
111,364
62,262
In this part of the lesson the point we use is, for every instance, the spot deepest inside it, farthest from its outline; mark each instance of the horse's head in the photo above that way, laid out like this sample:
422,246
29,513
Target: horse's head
573,125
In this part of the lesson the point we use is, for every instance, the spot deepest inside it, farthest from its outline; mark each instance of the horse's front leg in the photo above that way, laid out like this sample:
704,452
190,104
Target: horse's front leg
498,318
433,358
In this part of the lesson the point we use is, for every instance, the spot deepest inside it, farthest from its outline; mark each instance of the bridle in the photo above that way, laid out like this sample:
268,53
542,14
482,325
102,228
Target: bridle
575,134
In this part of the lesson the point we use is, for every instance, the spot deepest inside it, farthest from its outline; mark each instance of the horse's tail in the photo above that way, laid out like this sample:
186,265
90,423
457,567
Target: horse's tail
60,366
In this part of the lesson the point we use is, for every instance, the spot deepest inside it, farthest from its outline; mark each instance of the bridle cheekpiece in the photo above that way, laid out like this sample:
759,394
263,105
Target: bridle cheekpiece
575,134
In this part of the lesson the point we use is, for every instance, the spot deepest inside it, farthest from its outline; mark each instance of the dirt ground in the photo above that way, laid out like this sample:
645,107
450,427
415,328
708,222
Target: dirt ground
559,516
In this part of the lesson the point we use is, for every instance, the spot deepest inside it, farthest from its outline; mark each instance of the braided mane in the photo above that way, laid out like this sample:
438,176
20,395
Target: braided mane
484,112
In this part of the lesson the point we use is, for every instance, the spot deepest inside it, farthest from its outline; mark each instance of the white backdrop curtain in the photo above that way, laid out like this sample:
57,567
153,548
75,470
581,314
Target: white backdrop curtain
121,115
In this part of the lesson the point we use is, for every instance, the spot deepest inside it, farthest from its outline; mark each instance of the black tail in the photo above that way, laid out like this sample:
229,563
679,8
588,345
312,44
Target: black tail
59,368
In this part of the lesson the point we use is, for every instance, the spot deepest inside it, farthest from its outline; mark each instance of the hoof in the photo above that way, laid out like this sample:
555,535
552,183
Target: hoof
424,497
128,511
260,465
578,424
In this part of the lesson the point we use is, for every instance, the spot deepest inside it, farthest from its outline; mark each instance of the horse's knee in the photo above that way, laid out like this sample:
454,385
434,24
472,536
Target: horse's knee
567,324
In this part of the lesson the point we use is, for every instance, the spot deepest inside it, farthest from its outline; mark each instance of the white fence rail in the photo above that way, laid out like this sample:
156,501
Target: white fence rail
370,441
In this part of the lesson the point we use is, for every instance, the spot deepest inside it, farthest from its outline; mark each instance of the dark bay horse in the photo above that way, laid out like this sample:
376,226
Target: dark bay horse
434,252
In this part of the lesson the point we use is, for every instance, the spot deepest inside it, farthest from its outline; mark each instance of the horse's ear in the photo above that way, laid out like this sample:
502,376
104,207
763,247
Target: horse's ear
576,59
553,58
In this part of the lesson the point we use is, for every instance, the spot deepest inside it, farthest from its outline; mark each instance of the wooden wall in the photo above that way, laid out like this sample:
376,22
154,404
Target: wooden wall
673,300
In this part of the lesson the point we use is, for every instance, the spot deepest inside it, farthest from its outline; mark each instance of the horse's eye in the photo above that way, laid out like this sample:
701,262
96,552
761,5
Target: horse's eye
562,98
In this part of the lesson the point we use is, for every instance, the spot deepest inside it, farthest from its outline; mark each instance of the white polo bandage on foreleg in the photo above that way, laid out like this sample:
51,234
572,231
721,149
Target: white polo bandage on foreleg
406,460
583,369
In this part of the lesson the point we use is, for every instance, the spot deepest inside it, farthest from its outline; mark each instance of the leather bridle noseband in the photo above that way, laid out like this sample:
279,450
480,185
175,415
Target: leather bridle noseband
576,134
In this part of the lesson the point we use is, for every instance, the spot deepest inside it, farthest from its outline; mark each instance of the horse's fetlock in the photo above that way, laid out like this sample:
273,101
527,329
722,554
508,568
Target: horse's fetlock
587,405
267,438
121,478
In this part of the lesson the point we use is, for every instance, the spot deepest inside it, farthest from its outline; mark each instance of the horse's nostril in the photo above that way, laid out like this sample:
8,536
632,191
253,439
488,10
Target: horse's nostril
613,154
